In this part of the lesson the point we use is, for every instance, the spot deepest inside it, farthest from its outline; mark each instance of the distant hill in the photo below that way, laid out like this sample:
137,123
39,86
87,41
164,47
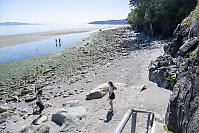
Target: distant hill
122,21
15,23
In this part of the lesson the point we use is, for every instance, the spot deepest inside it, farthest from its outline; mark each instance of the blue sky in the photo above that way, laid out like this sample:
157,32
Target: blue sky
62,11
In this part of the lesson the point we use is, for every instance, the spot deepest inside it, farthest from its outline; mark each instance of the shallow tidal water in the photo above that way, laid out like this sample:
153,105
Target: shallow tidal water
42,47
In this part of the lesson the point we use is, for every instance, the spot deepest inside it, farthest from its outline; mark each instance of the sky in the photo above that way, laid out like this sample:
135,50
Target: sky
62,11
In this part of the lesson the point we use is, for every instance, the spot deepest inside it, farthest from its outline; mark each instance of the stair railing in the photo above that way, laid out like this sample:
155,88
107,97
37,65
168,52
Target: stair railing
133,113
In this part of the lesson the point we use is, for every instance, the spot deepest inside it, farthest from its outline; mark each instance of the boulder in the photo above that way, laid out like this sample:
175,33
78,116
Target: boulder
68,118
30,98
33,129
28,129
25,91
43,129
2,89
12,98
3,109
100,91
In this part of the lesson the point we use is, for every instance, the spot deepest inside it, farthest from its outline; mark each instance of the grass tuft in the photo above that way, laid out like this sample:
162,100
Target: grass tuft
166,129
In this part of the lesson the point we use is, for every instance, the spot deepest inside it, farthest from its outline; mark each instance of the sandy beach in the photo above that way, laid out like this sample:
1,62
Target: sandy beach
10,40
119,55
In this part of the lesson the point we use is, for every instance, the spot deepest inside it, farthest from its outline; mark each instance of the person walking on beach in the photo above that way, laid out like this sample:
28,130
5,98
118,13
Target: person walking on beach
39,102
59,42
111,94
56,42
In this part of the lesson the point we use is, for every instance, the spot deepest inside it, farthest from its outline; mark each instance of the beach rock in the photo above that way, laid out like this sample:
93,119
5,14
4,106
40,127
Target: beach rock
125,54
30,99
2,89
25,91
32,129
3,109
25,116
39,86
68,118
100,91
43,129
47,71
69,104
28,129
12,98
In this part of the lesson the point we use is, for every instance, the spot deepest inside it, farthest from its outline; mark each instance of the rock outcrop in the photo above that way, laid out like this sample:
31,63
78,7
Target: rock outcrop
181,64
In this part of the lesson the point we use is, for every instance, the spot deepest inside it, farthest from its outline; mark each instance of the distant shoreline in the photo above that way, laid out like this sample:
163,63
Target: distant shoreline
16,23
10,40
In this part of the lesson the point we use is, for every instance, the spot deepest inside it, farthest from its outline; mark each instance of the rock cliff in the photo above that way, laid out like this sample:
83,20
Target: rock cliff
178,70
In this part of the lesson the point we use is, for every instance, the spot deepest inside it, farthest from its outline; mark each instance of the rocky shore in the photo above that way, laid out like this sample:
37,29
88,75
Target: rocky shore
120,55
68,66
178,70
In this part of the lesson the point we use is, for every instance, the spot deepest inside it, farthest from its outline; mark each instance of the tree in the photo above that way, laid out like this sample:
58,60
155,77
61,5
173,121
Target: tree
163,15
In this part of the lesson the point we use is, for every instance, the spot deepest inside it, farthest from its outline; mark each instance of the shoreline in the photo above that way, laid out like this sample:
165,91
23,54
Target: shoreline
68,75
11,40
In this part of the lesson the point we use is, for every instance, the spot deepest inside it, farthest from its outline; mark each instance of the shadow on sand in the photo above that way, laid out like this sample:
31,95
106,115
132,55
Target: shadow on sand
109,116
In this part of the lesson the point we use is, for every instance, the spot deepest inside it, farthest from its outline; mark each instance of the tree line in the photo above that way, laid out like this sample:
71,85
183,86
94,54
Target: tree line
159,17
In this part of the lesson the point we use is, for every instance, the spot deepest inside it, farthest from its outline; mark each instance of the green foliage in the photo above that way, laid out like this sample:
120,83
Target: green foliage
162,15
168,78
166,129
191,54
171,81
192,14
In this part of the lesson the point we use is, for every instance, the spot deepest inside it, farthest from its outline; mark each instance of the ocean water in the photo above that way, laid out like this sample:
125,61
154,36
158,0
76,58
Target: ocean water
36,48
23,29
42,47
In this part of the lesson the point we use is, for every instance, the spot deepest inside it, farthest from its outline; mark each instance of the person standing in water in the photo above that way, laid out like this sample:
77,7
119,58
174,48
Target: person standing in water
56,42
39,102
59,42
111,94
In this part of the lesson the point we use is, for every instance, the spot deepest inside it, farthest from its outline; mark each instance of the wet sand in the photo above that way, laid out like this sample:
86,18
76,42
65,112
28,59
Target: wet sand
10,40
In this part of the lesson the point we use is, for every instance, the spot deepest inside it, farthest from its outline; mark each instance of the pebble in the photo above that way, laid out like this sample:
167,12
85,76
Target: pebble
25,116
